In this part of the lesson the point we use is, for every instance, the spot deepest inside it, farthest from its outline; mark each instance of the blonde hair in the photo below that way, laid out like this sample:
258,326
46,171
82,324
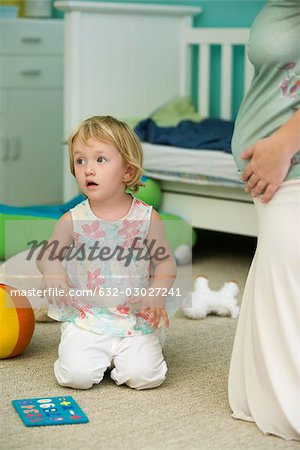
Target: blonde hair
112,131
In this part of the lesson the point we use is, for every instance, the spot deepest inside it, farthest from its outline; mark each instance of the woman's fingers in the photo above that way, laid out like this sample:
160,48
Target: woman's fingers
269,192
260,188
251,183
247,154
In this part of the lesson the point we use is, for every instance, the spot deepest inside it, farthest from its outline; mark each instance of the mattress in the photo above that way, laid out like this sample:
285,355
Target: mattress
193,166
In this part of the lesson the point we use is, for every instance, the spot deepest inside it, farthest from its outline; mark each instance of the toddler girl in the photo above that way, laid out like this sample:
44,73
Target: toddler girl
113,246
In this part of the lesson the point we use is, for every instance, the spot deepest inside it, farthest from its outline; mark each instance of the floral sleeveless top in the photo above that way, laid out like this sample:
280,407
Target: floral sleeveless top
108,264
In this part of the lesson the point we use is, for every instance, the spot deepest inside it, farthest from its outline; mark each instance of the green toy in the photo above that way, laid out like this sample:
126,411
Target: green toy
150,193
179,231
17,231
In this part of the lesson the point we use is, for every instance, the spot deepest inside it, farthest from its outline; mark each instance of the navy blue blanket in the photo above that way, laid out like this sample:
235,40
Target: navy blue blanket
210,134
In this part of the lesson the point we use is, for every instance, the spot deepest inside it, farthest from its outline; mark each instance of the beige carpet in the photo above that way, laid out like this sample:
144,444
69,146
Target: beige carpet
189,411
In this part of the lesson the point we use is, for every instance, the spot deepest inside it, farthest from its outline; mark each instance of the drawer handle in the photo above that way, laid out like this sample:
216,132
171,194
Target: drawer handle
31,39
31,72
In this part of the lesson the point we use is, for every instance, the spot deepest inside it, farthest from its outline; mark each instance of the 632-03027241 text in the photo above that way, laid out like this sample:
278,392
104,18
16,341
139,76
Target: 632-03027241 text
139,292
102,292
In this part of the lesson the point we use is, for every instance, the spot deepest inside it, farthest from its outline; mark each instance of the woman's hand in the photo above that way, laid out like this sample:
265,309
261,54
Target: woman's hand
268,166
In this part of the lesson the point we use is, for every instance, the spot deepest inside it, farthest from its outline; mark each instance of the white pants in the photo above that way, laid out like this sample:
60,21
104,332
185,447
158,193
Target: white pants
264,378
84,356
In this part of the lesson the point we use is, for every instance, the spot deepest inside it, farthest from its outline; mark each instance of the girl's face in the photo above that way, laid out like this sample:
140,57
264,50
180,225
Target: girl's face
100,169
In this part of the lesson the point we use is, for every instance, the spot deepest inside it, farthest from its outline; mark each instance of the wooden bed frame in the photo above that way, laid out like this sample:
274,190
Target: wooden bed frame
127,59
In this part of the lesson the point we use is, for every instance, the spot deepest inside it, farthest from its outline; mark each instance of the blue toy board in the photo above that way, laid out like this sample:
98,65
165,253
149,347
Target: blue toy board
36,412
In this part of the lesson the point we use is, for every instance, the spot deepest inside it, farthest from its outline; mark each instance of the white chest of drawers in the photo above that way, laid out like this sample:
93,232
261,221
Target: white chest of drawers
31,111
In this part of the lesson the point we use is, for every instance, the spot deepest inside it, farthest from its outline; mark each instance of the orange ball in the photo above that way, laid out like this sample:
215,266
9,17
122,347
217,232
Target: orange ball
16,322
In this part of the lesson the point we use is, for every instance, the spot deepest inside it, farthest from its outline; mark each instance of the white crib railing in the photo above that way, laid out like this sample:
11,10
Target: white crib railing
204,39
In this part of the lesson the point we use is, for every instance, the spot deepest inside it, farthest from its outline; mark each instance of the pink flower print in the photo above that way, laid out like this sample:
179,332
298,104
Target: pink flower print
82,309
93,231
76,238
140,202
94,279
288,66
290,84
129,231
144,316
284,86
295,88
123,309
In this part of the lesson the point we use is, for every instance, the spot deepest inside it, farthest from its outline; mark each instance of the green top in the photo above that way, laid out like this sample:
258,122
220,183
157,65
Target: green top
274,94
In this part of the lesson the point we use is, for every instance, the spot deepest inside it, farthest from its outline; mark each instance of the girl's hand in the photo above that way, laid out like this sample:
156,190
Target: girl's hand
268,166
53,282
152,310
153,316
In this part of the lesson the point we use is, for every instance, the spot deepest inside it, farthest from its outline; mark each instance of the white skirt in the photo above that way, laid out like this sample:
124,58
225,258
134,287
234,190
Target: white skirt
264,377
